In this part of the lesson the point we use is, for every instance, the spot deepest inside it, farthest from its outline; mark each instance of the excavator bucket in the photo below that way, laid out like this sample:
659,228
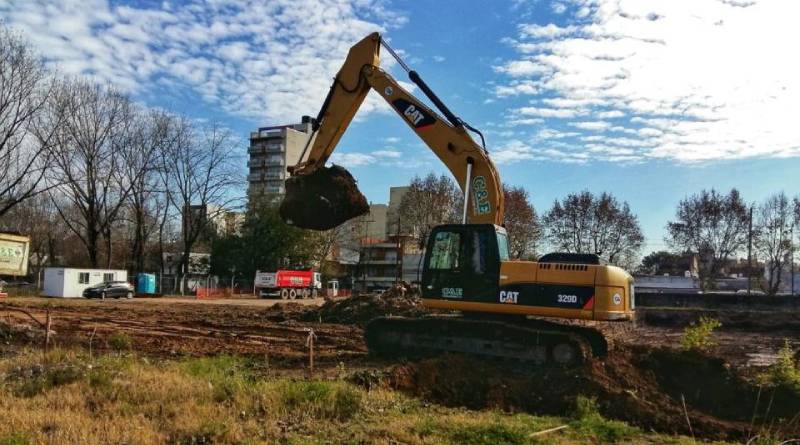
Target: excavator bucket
323,199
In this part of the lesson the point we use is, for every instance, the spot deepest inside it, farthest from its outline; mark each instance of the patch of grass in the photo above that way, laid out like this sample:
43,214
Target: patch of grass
785,372
589,423
228,376
319,399
40,379
15,438
127,399
120,341
489,434
699,336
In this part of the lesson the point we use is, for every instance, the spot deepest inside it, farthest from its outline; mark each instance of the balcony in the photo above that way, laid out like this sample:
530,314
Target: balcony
255,149
275,176
273,161
255,177
255,163
275,148
274,189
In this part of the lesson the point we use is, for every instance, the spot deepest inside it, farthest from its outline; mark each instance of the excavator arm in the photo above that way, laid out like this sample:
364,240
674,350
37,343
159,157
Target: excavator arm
448,139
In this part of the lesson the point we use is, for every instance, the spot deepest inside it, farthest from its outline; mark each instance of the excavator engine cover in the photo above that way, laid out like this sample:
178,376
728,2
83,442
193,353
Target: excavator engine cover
323,199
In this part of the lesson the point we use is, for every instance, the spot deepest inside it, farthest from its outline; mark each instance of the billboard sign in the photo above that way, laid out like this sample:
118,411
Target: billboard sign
14,254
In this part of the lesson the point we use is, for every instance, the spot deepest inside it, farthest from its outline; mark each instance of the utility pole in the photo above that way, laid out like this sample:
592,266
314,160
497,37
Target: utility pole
750,252
791,261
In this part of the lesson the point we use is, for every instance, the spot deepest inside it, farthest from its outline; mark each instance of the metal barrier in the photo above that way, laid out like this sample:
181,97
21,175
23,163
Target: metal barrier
209,293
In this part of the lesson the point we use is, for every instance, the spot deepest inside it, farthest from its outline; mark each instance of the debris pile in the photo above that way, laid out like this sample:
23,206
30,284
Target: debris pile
323,199
360,309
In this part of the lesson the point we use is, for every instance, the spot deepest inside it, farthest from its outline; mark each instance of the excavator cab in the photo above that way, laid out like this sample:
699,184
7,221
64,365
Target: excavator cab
462,262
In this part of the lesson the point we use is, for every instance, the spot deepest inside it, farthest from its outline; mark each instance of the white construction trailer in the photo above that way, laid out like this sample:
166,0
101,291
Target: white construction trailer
67,282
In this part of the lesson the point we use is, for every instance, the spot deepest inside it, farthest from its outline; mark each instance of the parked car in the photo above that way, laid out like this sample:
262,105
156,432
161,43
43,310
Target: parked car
109,289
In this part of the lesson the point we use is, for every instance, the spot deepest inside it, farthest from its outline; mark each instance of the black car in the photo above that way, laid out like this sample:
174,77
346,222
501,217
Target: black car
109,289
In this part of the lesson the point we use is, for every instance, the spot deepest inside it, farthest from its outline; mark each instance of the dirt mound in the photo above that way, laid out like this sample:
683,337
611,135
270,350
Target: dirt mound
323,199
360,309
645,387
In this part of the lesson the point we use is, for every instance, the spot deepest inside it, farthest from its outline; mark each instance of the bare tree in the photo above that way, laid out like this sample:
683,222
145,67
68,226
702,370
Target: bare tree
429,201
153,133
585,223
25,86
774,227
713,225
521,222
199,172
88,155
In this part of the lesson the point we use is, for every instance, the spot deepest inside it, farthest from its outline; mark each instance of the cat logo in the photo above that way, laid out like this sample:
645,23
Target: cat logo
507,296
414,115
417,116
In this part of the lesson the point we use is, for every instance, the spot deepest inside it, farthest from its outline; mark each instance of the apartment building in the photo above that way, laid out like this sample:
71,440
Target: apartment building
272,150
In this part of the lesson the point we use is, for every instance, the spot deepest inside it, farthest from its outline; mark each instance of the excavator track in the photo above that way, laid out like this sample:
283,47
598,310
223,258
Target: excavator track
531,341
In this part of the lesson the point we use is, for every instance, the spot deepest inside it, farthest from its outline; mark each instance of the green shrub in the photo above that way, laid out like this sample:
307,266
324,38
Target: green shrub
699,336
785,371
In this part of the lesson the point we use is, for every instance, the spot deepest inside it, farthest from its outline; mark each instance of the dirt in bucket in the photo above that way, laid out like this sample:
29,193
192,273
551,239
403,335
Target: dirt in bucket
323,199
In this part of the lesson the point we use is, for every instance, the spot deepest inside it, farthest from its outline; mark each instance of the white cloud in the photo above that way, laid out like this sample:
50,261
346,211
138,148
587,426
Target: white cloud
387,153
350,160
268,61
691,80
438,58
591,125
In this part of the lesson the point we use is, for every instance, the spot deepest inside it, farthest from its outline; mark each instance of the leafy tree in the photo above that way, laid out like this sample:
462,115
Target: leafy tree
713,225
266,243
585,223
662,262
521,222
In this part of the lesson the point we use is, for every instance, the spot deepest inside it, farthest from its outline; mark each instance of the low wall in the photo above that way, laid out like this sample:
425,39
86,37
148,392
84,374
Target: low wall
718,301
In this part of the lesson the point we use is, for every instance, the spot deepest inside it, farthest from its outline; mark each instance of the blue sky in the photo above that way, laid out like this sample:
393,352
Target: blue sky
648,100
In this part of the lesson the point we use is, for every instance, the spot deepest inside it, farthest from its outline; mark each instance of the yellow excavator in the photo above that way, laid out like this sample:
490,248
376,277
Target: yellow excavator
499,303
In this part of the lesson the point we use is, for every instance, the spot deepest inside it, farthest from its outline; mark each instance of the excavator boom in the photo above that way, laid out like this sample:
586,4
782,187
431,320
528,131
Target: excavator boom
448,139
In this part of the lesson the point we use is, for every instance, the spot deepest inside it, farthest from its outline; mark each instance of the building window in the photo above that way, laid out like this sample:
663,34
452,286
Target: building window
83,278
108,276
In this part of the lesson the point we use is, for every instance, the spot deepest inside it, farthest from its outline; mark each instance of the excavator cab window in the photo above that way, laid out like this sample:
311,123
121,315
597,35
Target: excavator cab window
462,262
502,244
446,251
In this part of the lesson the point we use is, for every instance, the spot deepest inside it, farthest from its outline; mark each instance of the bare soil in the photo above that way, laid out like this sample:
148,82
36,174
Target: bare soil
645,379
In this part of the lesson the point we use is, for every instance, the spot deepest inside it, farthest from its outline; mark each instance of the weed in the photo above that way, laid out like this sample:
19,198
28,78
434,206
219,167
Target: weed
39,379
785,371
120,341
489,434
698,336
228,376
589,423
319,400
15,438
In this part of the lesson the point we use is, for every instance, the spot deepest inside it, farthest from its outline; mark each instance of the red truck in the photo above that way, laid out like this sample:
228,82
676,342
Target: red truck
288,284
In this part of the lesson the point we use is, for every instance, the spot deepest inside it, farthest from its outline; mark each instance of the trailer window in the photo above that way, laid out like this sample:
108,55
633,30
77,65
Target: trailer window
445,251
83,278
108,277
